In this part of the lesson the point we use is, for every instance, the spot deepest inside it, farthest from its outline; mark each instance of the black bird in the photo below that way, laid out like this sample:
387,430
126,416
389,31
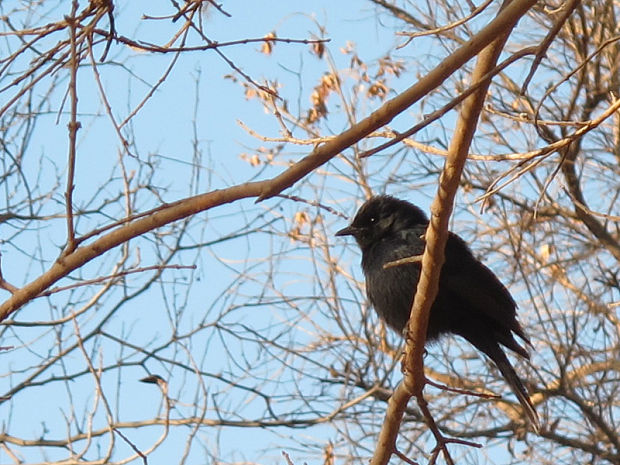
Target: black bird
471,301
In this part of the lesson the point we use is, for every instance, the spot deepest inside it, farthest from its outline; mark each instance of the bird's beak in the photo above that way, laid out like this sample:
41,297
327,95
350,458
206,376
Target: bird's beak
348,231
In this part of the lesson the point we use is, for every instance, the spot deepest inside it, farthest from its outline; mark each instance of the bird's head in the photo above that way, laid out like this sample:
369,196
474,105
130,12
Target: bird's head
381,216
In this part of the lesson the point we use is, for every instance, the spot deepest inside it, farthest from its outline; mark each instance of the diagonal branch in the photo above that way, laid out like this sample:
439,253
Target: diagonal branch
268,188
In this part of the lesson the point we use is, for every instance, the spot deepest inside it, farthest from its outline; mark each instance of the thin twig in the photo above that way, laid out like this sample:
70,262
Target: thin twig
566,10
467,392
403,261
74,125
120,274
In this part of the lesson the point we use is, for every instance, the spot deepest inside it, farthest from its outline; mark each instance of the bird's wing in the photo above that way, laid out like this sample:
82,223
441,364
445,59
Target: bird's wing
473,280
461,273
478,288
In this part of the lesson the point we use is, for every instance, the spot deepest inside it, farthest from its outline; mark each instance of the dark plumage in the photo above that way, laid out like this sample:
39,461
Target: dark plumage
471,301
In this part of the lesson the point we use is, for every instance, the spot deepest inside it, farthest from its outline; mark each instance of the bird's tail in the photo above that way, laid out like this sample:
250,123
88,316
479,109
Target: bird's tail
502,362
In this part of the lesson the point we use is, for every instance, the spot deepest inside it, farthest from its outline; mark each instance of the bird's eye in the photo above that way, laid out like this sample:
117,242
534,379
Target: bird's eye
373,219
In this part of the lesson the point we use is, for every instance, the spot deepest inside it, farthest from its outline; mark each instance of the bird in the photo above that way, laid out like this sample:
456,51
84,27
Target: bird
471,301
